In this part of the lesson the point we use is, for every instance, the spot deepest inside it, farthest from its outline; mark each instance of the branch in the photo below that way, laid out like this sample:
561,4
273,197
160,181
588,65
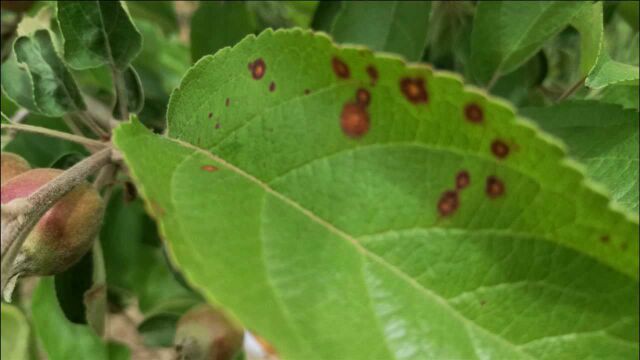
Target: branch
56,134
572,90
16,227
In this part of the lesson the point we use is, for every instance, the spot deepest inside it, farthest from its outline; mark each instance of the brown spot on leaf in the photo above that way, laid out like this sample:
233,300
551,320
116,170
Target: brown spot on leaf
227,102
463,179
448,203
217,125
373,74
363,97
210,115
495,187
414,90
209,168
340,68
272,86
605,239
500,149
156,209
257,68
307,91
473,112
354,120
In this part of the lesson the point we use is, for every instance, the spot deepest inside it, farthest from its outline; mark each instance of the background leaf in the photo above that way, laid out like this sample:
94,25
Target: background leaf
505,33
54,90
15,334
346,197
609,72
394,26
98,33
161,13
604,137
135,93
54,330
217,24
589,24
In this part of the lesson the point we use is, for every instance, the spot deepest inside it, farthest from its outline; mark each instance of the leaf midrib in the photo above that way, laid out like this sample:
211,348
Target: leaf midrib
354,242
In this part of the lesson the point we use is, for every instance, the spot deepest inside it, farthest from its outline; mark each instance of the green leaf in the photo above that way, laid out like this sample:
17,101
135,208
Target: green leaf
16,84
217,24
626,96
283,14
393,26
137,267
55,331
98,33
54,90
610,72
506,33
162,13
15,334
134,93
603,137
590,25
294,220
159,330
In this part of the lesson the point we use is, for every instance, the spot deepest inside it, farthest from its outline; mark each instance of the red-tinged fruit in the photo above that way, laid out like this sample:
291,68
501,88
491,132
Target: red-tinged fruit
204,333
11,165
64,233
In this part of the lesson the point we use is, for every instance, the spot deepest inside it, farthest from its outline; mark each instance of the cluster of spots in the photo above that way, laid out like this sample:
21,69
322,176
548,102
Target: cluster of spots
373,74
414,90
257,68
209,168
494,187
473,113
272,86
500,149
355,118
449,200
340,68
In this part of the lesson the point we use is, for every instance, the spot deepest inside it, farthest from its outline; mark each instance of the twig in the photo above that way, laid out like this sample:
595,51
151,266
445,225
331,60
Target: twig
494,79
19,116
56,134
16,228
71,124
570,91
89,122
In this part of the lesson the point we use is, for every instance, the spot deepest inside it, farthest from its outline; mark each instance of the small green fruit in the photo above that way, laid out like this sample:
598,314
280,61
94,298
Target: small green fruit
11,165
64,233
204,333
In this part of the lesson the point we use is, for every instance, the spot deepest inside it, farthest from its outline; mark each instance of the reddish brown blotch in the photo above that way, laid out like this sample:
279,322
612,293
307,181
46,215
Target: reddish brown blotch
463,179
363,97
373,74
448,203
495,187
257,68
414,90
473,113
340,68
272,86
217,125
500,149
354,120
209,168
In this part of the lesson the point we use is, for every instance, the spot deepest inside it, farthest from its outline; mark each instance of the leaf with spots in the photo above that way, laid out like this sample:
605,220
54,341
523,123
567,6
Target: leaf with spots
380,204
604,137
394,26
507,33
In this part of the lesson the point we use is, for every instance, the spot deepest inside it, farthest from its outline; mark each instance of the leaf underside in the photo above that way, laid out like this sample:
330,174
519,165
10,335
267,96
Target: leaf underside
336,237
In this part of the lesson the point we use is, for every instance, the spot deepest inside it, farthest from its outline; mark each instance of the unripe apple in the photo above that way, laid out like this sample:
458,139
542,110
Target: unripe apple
11,165
64,233
204,333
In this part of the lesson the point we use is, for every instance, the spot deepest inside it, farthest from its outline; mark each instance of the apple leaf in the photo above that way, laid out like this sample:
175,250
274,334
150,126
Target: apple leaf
328,197
15,334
